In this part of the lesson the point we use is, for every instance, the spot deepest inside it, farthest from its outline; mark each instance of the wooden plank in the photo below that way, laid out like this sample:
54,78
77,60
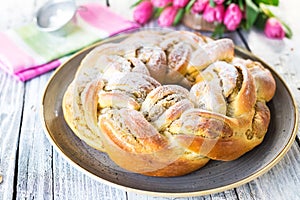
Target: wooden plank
42,172
282,181
70,183
282,55
13,14
11,105
228,194
35,153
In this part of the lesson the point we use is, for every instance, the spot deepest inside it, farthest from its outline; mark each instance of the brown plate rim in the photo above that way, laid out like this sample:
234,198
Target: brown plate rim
268,166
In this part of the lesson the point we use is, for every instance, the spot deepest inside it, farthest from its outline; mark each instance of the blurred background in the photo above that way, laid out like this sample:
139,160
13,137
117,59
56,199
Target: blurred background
14,13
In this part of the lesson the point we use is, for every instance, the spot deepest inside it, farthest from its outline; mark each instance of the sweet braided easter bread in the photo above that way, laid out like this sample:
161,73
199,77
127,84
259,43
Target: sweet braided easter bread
165,103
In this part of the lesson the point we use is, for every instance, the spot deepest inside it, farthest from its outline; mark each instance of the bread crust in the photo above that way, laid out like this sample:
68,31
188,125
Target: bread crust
165,103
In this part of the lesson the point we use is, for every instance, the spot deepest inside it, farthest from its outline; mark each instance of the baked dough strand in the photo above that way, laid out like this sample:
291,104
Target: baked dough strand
164,103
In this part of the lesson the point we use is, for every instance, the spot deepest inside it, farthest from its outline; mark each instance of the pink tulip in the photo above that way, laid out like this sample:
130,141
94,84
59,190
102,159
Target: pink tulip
212,14
180,3
219,2
274,29
161,3
199,6
143,12
167,16
233,17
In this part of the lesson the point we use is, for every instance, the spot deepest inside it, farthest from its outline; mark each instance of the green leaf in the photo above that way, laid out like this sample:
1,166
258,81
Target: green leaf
136,3
212,3
251,13
189,6
229,2
268,2
266,10
261,20
219,31
157,12
178,16
241,4
243,24
287,30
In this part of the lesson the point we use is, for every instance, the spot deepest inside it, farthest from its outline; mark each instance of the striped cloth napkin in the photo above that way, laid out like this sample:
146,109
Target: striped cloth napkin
26,52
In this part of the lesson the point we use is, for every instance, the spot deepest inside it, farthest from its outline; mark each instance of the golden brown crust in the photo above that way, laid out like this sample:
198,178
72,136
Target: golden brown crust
121,102
76,120
244,101
180,166
264,81
213,135
130,131
211,52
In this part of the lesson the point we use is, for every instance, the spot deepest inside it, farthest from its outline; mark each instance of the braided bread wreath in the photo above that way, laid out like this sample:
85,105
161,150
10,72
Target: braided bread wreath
163,103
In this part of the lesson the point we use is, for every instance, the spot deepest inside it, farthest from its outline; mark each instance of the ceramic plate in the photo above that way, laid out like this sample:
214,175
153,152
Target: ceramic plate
214,177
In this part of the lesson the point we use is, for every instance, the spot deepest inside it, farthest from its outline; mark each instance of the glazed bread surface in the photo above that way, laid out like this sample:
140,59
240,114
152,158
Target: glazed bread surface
165,103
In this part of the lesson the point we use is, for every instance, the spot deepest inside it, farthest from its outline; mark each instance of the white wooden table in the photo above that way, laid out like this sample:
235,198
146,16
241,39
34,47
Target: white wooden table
32,169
